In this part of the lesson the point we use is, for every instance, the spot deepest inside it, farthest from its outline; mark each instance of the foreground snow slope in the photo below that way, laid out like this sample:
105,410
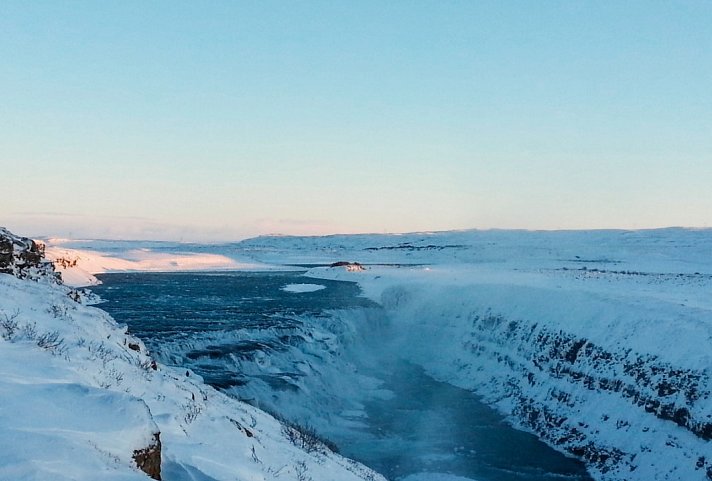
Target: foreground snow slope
82,400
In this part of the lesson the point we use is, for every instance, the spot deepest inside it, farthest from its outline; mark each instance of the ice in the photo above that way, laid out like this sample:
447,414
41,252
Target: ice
300,288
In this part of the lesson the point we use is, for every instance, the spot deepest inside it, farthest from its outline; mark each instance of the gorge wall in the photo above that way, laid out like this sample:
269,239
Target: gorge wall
573,370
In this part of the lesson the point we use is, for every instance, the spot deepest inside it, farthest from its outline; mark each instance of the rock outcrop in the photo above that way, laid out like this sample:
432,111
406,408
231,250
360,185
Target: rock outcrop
24,258
349,266
148,459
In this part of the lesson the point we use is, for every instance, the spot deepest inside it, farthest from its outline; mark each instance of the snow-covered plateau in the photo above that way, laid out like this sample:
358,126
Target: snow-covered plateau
81,399
596,341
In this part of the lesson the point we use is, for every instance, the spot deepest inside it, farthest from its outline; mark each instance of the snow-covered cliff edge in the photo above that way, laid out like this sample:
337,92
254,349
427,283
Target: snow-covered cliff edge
24,258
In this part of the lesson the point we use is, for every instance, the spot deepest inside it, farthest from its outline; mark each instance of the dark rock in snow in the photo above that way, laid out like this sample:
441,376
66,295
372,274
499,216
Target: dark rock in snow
24,258
148,459
350,266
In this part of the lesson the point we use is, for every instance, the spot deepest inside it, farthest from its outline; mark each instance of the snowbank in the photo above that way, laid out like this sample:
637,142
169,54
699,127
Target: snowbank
77,265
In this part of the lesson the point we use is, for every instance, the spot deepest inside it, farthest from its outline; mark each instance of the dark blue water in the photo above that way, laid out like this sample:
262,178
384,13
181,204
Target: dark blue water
204,321
188,302
247,336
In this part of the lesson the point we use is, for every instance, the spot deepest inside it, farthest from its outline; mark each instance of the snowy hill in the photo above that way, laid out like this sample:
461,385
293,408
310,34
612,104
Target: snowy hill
83,400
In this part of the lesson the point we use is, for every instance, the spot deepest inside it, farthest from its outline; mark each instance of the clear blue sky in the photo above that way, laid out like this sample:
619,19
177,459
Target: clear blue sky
219,120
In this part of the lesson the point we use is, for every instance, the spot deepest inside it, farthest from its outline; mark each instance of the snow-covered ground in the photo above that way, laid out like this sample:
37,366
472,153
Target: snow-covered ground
78,261
83,400
597,341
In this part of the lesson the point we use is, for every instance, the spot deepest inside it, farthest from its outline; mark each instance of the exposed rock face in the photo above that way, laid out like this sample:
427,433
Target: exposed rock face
24,258
350,266
148,459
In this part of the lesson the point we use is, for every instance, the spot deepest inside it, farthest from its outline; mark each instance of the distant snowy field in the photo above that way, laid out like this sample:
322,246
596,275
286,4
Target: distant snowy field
597,341
79,260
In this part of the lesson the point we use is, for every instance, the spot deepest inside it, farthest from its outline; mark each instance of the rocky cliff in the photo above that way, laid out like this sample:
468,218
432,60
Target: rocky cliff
24,258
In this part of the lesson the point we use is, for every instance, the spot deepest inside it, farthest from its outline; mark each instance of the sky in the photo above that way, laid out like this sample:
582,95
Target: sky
217,120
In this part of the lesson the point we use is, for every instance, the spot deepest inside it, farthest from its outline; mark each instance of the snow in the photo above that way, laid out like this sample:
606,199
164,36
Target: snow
300,288
78,261
58,422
